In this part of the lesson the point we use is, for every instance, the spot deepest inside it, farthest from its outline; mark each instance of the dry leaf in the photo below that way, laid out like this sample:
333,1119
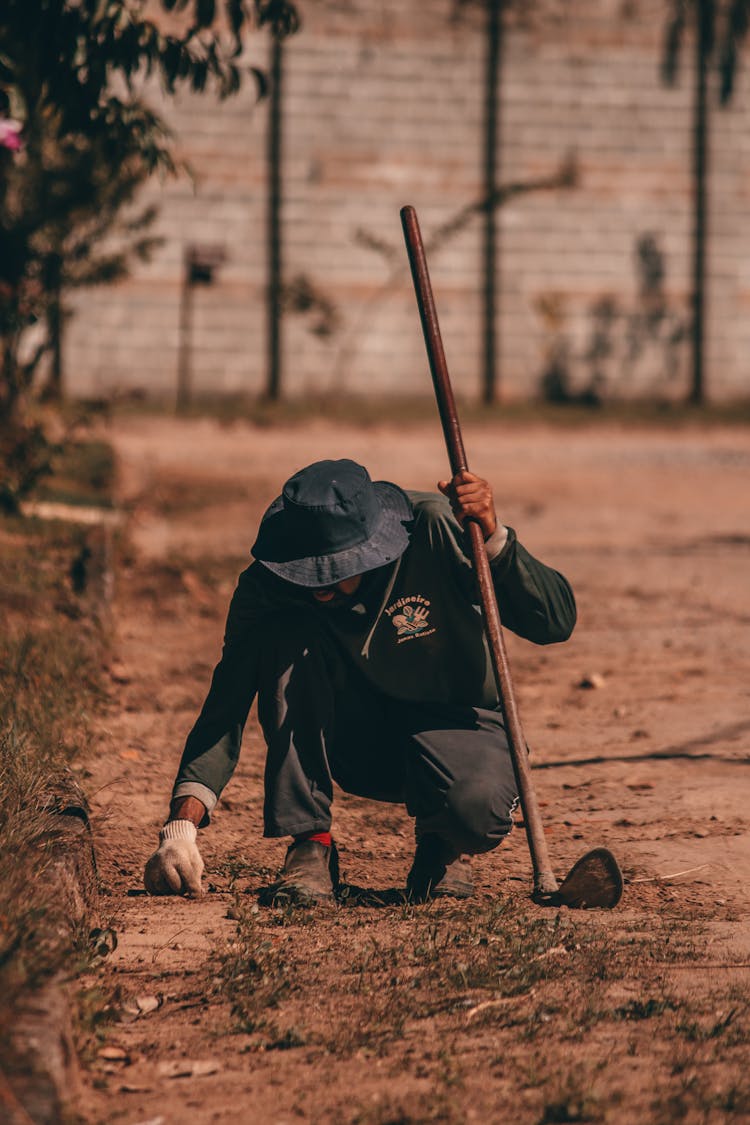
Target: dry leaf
147,1004
114,1054
187,1068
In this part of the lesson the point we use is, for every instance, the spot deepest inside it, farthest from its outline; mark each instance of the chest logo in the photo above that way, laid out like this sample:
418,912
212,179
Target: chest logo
410,617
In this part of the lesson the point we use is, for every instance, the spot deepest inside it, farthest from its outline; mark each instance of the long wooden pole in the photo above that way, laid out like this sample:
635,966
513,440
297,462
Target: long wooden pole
544,879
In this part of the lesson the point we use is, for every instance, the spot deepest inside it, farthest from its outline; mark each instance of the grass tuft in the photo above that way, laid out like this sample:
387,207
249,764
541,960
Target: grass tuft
51,656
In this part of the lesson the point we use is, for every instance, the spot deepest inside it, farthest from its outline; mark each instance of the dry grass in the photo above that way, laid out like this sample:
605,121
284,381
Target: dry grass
83,473
50,684
557,1005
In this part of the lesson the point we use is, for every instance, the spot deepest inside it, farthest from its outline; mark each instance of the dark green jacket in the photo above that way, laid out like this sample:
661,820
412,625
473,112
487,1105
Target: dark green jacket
415,633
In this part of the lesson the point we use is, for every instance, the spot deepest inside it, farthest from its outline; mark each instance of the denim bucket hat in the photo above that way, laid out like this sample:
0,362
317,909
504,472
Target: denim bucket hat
332,522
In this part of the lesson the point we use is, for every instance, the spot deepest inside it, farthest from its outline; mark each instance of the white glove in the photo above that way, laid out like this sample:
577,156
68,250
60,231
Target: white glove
176,867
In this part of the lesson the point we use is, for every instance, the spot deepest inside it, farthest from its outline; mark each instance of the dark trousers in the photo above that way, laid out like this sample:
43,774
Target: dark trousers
323,722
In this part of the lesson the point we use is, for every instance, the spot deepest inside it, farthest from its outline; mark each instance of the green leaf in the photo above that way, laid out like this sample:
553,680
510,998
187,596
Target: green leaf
673,43
261,81
235,11
170,62
205,12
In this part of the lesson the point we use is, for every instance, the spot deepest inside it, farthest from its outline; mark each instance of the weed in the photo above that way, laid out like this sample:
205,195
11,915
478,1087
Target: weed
93,1012
413,1109
724,1027
644,1009
252,973
572,1101
735,1099
233,867
286,1040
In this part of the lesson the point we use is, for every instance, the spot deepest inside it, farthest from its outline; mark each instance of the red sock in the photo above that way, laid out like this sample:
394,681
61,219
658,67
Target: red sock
317,837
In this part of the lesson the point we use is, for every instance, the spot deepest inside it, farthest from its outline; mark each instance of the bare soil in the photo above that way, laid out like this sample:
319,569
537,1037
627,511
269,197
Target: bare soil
378,1012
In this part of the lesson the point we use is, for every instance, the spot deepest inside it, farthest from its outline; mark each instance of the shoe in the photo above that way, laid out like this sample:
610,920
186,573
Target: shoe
310,874
437,872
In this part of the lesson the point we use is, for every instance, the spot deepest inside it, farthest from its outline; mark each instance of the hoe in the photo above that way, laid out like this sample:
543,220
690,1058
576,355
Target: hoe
595,880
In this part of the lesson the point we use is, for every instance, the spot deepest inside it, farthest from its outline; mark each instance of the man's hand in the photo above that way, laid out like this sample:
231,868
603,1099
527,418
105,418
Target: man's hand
471,498
176,866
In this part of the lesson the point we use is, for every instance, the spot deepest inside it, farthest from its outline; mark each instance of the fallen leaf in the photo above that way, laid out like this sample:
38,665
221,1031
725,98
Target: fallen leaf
114,1054
187,1068
148,1004
201,1069
128,1011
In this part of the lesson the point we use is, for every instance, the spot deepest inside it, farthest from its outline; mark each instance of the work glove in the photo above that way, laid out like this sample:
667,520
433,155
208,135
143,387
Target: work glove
176,866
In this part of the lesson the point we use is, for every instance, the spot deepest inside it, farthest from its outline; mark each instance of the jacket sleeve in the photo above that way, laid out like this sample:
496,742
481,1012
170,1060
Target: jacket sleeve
213,745
535,601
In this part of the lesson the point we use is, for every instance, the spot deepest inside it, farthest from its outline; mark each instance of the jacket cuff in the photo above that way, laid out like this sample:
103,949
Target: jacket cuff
205,795
501,563
496,542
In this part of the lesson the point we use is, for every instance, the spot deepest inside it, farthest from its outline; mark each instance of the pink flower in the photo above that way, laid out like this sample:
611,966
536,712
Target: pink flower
10,134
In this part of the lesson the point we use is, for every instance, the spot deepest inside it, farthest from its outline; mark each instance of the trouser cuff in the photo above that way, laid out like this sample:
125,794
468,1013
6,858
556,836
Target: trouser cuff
296,828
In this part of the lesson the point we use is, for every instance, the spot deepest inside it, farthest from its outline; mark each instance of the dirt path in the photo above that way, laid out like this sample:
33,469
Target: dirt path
407,1015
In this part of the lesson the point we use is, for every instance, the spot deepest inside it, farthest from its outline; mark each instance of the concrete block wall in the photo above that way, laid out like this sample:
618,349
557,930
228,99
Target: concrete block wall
383,105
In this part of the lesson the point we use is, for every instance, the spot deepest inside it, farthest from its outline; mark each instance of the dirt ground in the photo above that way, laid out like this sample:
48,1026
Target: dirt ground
378,1012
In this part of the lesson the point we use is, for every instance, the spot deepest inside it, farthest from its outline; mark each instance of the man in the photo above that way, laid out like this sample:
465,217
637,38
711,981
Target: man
358,627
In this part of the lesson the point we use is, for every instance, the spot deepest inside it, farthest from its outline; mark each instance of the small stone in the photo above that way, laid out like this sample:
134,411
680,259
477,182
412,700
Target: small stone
102,942
118,673
591,681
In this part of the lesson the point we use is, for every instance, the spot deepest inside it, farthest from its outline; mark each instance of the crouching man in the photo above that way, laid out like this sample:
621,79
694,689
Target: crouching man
358,627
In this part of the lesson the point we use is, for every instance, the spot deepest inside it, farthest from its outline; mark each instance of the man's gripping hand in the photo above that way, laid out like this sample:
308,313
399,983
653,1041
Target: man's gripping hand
471,498
176,866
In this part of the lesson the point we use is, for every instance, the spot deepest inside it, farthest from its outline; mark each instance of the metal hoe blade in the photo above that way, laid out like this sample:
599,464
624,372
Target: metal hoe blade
594,881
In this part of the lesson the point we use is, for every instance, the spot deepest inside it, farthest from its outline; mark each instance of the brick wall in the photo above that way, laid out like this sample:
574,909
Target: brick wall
383,106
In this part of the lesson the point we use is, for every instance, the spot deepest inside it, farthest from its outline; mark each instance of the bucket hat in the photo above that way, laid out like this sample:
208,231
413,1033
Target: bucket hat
332,522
